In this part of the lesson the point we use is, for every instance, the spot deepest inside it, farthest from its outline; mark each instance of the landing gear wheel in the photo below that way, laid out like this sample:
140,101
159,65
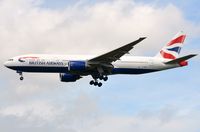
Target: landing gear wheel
21,78
105,78
91,82
101,77
100,84
95,83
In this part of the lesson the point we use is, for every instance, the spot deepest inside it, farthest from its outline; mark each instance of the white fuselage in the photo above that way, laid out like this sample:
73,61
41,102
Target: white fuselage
73,67
59,63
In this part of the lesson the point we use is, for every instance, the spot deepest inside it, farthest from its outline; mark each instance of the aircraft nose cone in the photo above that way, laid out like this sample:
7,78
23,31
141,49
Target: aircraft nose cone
6,64
9,65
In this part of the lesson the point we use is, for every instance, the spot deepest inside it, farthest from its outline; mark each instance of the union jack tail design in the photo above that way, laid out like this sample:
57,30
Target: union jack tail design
173,47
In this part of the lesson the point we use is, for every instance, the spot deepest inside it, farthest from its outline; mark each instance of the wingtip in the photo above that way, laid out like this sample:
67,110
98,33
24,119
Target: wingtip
143,37
194,54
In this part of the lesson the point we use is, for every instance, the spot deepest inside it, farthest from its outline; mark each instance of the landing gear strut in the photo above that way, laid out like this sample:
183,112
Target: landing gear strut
21,75
95,81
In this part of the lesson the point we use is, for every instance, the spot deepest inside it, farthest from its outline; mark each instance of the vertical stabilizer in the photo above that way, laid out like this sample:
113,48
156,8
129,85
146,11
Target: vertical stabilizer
173,47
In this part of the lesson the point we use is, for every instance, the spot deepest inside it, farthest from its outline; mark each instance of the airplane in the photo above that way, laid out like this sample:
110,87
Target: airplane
72,67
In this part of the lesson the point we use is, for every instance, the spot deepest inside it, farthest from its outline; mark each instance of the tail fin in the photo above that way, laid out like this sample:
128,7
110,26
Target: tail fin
173,47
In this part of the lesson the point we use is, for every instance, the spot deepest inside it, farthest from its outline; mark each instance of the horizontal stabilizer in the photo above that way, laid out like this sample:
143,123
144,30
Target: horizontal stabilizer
178,60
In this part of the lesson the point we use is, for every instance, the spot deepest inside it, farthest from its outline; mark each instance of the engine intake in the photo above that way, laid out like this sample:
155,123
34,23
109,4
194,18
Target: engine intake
65,77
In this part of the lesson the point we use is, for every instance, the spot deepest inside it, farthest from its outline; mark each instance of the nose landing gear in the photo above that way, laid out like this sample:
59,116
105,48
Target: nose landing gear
21,75
21,78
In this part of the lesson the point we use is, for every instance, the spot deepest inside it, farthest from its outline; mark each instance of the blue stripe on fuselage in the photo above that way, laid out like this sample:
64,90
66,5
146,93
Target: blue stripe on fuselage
132,71
65,70
39,69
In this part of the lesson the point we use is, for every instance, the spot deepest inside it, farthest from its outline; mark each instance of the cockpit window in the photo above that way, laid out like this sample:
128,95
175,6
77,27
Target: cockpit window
10,59
21,60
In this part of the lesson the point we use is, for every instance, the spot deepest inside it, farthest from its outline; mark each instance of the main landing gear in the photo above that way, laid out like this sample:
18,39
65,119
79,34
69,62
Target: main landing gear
21,75
95,81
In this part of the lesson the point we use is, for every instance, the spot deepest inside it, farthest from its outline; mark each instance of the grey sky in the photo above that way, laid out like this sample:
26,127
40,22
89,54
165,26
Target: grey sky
165,101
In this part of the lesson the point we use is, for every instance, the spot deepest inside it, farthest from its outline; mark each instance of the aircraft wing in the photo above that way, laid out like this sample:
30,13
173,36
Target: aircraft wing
115,55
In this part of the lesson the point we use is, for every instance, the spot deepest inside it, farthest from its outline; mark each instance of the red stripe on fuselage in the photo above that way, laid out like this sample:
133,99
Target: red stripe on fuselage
29,57
166,55
180,39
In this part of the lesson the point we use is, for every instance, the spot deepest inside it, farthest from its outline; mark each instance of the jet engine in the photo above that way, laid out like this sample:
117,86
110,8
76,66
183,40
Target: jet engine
77,65
65,77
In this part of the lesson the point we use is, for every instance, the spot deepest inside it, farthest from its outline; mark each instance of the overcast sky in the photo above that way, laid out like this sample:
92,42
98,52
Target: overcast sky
157,102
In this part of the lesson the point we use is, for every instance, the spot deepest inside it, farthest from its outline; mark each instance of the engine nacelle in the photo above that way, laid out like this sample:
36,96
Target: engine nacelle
77,65
65,77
